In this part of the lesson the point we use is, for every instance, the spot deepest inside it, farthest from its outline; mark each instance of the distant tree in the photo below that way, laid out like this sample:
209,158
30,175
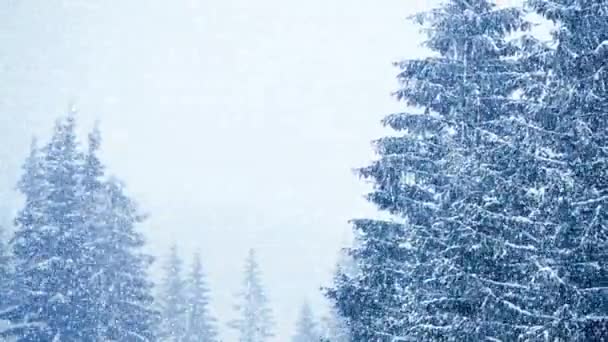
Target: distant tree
306,327
174,306
255,323
201,325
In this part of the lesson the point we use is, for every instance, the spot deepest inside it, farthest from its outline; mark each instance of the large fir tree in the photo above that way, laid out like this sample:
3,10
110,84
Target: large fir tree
571,114
448,266
255,323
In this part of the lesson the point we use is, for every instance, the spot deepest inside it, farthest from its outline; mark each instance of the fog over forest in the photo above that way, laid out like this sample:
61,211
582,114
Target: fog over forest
317,171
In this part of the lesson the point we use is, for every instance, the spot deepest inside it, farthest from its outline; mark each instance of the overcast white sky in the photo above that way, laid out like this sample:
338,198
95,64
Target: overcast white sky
235,123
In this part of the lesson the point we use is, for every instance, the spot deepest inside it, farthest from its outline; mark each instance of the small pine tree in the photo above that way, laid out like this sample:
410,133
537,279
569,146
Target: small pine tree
306,327
174,304
201,326
255,322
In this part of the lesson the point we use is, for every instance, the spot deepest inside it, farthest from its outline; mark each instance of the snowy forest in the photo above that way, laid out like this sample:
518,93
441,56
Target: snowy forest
489,188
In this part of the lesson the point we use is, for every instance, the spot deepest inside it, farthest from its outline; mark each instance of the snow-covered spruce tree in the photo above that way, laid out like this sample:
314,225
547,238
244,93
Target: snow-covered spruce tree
92,210
451,267
127,298
123,304
48,245
255,322
573,274
78,274
174,306
32,183
306,327
201,325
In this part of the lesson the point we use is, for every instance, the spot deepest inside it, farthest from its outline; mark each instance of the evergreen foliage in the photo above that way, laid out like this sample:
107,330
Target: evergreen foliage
255,322
570,114
201,325
306,327
174,304
454,263
79,275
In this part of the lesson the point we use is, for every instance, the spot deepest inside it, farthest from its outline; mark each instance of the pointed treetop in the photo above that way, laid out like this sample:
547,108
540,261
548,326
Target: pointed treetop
64,136
33,145
255,323
251,258
94,138
201,325
173,261
32,159
197,273
465,27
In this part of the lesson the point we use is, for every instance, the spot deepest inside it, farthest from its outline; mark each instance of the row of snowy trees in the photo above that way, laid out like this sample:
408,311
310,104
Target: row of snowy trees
74,270
186,314
496,179
185,304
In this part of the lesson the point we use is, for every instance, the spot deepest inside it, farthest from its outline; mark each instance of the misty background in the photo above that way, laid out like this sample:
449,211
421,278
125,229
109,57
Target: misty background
234,123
